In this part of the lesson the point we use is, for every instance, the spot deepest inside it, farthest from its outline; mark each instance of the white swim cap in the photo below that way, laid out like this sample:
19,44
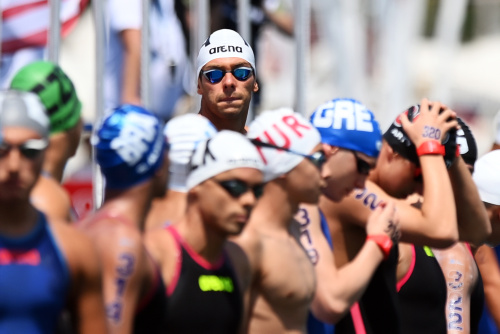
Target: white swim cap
183,134
224,43
287,129
225,151
487,177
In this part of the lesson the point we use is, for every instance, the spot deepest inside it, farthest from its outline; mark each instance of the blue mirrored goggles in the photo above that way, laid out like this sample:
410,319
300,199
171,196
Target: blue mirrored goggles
216,75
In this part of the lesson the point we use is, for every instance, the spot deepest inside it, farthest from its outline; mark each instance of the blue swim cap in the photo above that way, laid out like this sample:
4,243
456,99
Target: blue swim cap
129,146
348,124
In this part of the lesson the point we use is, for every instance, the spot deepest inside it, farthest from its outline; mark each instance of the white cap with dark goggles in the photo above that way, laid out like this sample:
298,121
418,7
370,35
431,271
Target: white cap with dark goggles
225,151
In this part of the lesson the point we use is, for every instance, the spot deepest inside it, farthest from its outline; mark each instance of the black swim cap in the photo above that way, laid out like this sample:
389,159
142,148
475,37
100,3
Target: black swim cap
397,138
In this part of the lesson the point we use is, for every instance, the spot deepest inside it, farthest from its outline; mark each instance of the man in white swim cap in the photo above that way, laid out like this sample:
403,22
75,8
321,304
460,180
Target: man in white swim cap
226,75
198,269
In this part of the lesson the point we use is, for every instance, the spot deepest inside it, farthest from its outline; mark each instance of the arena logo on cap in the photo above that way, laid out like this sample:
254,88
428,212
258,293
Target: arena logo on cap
232,161
132,143
337,113
293,124
225,48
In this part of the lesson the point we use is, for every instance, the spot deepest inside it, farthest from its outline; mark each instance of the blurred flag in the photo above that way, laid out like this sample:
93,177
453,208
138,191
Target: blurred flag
25,22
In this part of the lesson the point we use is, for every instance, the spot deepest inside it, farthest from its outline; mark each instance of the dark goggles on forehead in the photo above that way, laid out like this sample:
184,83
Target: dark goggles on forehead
29,149
362,166
317,158
236,188
216,75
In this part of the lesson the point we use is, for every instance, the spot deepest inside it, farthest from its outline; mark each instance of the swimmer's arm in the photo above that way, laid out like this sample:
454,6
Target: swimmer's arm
438,213
428,226
86,300
248,243
458,280
337,289
241,265
436,223
123,261
282,19
487,262
473,222
50,198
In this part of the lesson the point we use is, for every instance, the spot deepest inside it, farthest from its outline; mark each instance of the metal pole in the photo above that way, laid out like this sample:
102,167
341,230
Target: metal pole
98,11
54,33
201,19
203,27
244,19
302,10
200,9
145,55
246,33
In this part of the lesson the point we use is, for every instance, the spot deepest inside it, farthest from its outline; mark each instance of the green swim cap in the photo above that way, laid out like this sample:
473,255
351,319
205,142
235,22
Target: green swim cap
56,91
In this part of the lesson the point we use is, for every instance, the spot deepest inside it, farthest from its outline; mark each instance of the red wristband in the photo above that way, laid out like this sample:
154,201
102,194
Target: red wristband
383,242
430,147
457,154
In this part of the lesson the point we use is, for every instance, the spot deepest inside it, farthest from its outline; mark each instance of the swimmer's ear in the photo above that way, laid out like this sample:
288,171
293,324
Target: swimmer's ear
329,150
198,86
255,86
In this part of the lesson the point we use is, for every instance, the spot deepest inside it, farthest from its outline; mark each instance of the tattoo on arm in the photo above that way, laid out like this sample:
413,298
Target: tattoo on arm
455,300
305,237
123,270
369,199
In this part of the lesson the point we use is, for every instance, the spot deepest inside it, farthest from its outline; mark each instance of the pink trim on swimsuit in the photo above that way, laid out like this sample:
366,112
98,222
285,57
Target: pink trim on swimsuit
357,319
171,287
469,248
196,257
405,279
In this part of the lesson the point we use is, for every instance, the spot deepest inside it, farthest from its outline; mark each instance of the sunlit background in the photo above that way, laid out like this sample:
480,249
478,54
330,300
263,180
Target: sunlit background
386,53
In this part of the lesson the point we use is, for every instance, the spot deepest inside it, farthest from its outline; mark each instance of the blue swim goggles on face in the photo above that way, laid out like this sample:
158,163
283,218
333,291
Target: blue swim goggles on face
216,75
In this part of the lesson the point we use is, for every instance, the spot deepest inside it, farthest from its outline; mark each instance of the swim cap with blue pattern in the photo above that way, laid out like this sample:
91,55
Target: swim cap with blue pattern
348,124
130,146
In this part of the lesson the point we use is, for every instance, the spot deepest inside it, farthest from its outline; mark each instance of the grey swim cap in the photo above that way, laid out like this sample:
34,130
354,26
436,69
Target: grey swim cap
23,109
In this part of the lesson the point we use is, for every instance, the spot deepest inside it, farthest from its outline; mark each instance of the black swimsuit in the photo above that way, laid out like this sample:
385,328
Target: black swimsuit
203,297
